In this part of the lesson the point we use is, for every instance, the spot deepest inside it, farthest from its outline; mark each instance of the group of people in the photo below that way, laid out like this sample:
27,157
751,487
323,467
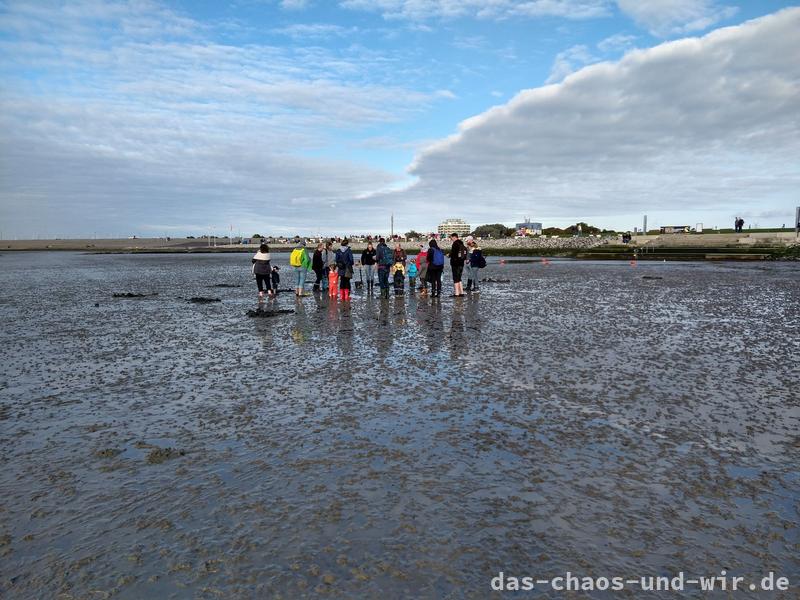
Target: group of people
334,268
738,224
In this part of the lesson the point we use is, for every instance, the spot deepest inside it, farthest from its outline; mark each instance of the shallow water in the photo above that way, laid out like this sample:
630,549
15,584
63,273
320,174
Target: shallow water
580,418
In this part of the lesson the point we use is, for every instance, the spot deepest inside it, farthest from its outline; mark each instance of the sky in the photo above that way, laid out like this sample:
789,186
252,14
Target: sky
299,117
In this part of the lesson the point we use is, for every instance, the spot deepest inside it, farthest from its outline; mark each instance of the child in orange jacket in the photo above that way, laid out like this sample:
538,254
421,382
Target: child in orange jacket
333,282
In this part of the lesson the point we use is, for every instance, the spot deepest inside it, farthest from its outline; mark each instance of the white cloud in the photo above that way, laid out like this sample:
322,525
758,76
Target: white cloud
146,123
420,10
616,43
314,30
295,4
689,125
568,61
673,17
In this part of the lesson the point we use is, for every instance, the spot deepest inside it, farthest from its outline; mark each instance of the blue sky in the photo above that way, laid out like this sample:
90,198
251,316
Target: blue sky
294,116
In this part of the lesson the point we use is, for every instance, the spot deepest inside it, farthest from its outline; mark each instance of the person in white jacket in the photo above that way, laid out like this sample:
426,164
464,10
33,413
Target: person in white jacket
262,271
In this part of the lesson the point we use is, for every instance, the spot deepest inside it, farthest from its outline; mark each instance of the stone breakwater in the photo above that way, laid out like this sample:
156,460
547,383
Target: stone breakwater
518,243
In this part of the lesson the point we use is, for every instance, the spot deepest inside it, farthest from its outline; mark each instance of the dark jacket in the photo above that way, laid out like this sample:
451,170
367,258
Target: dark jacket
344,259
431,266
368,257
458,253
317,263
383,256
475,258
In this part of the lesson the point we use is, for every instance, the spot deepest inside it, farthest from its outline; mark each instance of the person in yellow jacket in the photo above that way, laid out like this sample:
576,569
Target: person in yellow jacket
301,264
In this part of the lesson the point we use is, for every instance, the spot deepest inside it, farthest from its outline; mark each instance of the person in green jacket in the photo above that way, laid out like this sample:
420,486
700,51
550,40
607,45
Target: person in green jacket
301,264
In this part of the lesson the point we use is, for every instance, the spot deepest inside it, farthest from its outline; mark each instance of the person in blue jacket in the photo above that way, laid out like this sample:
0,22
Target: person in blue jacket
344,263
475,262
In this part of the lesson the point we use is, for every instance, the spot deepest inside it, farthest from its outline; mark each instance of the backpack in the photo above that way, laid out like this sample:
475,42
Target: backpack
438,257
481,261
385,256
296,258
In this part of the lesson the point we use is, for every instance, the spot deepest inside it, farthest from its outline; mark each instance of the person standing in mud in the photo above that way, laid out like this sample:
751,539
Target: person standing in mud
368,260
475,262
383,256
328,259
458,255
399,255
344,263
262,270
318,266
422,269
435,259
301,264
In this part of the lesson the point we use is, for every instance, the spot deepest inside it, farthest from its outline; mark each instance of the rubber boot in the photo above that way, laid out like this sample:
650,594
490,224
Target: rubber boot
469,285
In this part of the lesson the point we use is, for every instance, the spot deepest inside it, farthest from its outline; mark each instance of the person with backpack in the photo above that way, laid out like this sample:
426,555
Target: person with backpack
368,260
458,256
299,260
475,262
344,264
435,268
383,256
262,270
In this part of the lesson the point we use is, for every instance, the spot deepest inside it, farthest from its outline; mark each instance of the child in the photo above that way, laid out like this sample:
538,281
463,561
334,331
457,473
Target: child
412,275
276,279
333,282
399,274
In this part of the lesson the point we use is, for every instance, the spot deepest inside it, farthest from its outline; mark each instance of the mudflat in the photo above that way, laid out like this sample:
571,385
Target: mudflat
590,417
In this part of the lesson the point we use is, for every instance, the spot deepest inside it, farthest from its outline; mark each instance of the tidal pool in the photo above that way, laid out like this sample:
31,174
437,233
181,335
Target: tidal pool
579,418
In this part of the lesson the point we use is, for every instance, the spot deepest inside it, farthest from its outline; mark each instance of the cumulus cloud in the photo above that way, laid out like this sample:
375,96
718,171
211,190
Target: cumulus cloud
670,17
694,124
496,9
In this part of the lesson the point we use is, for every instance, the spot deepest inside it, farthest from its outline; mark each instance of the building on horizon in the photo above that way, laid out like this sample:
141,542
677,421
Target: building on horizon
458,226
529,228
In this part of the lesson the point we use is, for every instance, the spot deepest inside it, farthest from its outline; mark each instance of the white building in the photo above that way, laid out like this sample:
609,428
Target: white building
458,226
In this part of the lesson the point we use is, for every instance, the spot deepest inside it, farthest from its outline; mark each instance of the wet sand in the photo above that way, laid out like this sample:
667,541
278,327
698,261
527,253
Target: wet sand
581,417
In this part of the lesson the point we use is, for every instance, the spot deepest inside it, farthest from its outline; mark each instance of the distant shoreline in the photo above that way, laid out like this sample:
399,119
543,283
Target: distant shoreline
749,246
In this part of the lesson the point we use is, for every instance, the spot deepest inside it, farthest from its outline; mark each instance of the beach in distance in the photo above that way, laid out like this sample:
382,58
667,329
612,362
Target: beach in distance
590,416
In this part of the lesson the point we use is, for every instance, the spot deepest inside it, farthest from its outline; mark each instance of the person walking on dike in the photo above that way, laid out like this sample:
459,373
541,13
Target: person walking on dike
301,264
318,266
368,260
435,267
422,269
383,257
475,262
458,256
344,264
262,271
